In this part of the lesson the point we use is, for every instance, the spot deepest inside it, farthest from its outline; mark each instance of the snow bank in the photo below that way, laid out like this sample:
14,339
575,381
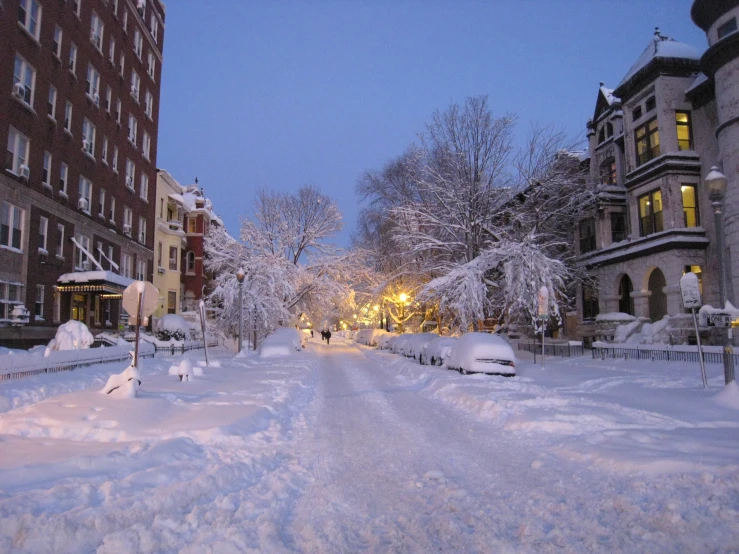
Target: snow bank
369,337
283,342
72,335
729,396
482,353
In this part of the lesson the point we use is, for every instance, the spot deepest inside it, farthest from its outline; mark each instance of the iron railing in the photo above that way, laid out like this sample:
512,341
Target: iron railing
565,350
661,353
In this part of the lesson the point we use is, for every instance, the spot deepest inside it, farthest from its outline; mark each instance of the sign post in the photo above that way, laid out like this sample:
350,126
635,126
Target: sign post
543,316
691,293
140,301
202,326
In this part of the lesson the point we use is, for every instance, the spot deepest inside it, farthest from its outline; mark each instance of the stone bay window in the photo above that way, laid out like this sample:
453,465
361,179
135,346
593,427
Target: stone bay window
647,142
650,213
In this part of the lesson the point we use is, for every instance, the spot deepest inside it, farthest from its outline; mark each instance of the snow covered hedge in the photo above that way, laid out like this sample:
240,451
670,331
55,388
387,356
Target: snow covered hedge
283,342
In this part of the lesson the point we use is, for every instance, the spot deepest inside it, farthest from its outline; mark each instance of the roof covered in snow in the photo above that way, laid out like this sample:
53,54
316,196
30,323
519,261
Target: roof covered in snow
82,277
660,47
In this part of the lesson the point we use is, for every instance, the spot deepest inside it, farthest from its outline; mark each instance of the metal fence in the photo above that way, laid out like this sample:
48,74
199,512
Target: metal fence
565,350
711,355
184,346
46,365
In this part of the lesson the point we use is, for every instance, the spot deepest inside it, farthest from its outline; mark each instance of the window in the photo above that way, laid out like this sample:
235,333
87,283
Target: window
56,45
636,113
191,262
154,26
96,31
10,295
151,65
138,43
68,117
110,257
92,88
618,226
690,206
73,58
104,153
141,270
114,8
122,65
127,220
39,312
126,265
587,236
63,174
192,225
111,210
130,174
159,255
99,253
115,159
171,301
76,4
609,130
52,103
173,258
135,85
43,233
60,240
101,203
144,189
88,137
146,146
142,230
11,227
590,308
85,190
608,172
24,80
726,28
650,213
29,16
149,104
601,135
46,172
647,142
108,99
118,111
18,147
651,103
684,131
111,51
133,129
125,20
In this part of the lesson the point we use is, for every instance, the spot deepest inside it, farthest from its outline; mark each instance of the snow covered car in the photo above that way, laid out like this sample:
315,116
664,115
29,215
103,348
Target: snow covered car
384,342
283,342
415,344
482,353
400,344
369,337
437,351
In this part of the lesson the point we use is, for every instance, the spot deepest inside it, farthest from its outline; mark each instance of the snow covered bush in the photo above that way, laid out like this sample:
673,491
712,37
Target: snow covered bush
125,384
72,335
482,353
185,370
283,342
172,326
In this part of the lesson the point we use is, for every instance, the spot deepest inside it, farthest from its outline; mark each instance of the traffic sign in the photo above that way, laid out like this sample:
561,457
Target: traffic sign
543,302
718,320
130,298
690,290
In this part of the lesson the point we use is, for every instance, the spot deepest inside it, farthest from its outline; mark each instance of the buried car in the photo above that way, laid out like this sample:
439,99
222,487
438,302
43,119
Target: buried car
482,353
436,351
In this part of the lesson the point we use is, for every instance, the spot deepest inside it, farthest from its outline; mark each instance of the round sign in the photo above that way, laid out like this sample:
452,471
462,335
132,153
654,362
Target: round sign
130,298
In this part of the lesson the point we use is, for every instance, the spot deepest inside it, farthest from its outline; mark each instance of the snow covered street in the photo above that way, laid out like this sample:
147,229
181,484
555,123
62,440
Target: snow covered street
343,448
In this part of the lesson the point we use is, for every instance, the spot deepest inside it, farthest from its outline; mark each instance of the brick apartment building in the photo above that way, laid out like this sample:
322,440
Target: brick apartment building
79,108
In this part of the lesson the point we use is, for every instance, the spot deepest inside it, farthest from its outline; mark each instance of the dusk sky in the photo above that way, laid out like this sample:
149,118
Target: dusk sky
279,94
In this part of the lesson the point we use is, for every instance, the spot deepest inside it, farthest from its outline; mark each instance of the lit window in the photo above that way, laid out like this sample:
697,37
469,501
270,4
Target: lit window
684,131
650,213
24,80
647,142
690,206
608,172
29,16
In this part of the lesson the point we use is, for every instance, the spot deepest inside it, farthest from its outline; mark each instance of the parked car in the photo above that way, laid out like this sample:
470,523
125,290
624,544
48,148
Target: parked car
437,351
482,353
416,343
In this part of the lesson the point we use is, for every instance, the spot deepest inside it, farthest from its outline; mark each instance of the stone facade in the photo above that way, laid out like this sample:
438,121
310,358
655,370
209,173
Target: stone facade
652,141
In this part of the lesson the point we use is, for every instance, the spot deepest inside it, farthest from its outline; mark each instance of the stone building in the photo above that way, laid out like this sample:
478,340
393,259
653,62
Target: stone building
652,141
80,105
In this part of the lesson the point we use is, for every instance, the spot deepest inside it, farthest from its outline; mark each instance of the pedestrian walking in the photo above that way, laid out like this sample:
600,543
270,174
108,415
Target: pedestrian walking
328,336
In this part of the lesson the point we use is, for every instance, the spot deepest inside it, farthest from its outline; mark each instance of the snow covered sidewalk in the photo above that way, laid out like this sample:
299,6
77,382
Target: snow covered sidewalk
343,448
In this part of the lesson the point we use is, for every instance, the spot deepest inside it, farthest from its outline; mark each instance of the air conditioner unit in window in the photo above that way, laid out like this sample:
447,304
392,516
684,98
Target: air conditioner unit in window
160,269
86,266
82,203
24,172
126,229
19,90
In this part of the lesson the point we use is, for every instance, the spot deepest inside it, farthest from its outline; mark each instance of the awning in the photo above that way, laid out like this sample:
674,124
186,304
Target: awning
105,282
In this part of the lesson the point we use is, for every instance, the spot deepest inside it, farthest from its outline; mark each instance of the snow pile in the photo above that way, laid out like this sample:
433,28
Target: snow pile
650,333
482,353
283,342
615,316
185,370
437,351
623,332
124,384
72,335
172,323
369,337
729,396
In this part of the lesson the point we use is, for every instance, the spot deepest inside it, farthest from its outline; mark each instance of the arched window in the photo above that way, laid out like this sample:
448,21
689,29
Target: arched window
609,130
625,302
191,262
601,135
658,298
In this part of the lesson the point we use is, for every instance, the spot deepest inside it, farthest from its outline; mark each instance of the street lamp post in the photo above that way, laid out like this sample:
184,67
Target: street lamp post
240,274
716,184
402,299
